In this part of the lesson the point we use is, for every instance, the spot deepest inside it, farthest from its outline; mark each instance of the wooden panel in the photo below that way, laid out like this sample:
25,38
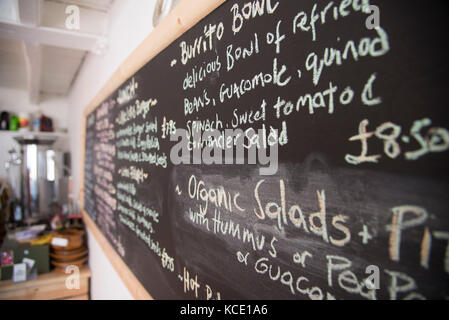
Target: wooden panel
81,297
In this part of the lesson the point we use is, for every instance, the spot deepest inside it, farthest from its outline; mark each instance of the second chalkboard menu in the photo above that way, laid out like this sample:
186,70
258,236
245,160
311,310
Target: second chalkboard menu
282,150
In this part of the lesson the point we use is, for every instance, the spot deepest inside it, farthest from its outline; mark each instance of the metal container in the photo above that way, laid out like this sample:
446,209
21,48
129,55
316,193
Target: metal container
44,177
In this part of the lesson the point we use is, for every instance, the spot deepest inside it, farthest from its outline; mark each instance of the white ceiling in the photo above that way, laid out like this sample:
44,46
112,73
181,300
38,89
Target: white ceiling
102,5
37,52
13,72
59,67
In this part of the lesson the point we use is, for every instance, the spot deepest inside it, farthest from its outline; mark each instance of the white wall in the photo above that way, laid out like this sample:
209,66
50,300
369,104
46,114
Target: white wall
105,283
130,21
16,101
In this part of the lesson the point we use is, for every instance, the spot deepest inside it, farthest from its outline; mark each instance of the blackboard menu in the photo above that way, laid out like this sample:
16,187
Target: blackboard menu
336,183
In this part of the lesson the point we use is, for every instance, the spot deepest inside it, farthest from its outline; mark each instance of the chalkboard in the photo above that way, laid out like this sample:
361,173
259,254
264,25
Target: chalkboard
344,100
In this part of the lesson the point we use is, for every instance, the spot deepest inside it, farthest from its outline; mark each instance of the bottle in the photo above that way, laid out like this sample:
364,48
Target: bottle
46,124
4,121
14,123
24,122
37,122
18,217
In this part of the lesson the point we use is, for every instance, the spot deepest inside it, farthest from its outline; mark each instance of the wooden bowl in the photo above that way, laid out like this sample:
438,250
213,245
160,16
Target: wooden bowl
63,256
69,252
62,266
74,239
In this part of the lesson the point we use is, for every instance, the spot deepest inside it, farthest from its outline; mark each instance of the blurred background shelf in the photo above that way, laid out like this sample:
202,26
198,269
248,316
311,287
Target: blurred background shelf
34,135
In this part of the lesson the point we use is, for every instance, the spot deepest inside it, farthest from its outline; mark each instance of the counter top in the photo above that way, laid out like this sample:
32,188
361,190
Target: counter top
48,286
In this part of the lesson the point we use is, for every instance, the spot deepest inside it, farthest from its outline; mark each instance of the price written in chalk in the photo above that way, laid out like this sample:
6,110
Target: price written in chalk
435,139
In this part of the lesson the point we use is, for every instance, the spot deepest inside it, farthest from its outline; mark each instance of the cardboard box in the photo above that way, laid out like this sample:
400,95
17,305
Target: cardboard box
39,253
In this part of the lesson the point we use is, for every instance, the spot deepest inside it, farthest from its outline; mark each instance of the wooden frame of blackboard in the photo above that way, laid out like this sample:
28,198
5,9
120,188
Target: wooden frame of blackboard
180,19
